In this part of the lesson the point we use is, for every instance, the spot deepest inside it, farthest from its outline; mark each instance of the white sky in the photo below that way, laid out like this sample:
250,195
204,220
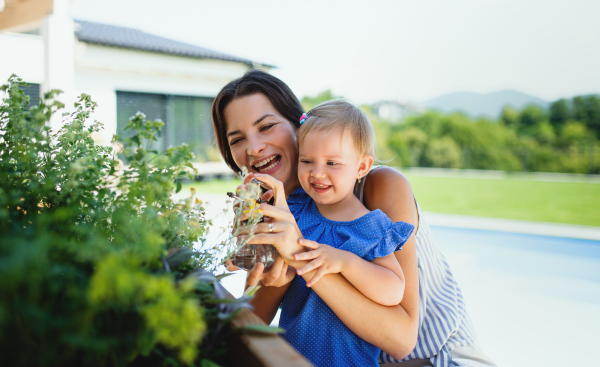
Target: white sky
402,50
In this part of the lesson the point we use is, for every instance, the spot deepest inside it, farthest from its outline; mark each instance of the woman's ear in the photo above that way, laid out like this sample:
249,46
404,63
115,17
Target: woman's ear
365,165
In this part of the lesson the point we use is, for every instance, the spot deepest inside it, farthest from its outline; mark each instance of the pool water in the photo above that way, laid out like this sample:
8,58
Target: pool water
534,300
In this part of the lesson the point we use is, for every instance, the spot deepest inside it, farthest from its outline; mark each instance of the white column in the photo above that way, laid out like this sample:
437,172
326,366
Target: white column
59,54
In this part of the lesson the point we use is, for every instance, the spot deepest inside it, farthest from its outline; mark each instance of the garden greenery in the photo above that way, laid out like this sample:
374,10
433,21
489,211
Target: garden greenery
96,260
563,138
519,141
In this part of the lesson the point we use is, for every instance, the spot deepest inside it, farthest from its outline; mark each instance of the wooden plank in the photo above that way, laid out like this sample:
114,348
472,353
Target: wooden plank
260,350
23,12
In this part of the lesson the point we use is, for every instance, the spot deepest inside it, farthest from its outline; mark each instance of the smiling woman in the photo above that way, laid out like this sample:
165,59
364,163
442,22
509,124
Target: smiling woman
255,108
266,124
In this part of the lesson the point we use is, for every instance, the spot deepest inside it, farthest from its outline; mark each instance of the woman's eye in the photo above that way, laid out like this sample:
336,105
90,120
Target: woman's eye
266,127
234,141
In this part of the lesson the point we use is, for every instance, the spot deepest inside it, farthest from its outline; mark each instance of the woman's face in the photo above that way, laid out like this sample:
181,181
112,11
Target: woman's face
261,139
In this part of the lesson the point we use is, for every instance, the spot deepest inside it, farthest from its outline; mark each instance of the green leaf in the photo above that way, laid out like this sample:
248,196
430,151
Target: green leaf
253,291
242,299
262,329
188,164
224,275
181,256
178,187
208,363
204,287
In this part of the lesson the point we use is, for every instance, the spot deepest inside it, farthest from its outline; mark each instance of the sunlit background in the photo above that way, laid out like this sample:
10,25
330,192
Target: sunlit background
491,109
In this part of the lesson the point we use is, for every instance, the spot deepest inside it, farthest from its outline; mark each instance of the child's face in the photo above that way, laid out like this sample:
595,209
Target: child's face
329,165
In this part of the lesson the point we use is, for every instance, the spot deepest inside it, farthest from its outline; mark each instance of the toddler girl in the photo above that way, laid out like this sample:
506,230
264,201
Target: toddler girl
336,148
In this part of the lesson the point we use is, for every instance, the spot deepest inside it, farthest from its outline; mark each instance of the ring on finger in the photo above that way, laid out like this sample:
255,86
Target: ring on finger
270,227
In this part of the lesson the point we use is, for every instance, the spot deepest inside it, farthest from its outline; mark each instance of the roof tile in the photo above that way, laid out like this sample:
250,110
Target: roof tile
116,36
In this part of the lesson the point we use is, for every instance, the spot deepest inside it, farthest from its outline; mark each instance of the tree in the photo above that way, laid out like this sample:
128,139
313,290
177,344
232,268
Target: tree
559,113
309,102
443,153
580,112
531,115
593,107
509,116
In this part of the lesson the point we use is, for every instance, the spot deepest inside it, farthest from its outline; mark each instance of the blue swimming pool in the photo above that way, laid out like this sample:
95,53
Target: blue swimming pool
534,300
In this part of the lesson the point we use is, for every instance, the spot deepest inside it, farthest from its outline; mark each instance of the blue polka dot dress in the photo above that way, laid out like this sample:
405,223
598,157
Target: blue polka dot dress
311,327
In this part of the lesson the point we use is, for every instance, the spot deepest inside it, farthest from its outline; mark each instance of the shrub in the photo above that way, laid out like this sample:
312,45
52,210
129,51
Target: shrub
443,153
86,275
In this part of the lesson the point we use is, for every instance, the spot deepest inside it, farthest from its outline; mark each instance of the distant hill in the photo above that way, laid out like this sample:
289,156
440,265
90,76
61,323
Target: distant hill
478,104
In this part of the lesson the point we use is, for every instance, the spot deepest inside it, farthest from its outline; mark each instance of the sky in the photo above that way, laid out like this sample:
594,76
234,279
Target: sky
387,50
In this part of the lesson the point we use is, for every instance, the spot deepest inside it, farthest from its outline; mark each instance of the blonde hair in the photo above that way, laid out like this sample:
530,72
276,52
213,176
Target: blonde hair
340,114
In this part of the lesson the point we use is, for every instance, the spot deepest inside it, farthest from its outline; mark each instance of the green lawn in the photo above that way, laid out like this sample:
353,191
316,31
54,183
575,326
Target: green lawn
574,203
213,186
560,202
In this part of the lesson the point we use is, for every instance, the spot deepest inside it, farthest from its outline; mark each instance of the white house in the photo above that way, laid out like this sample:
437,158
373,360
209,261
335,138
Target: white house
125,70
394,111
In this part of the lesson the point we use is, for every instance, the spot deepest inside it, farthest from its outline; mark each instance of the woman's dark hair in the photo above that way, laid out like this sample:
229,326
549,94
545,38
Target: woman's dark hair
254,81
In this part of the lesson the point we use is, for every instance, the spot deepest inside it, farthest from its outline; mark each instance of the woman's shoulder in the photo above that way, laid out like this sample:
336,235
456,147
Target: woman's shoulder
388,189
384,176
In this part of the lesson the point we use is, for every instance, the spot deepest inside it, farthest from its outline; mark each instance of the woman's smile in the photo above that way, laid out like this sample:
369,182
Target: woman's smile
267,165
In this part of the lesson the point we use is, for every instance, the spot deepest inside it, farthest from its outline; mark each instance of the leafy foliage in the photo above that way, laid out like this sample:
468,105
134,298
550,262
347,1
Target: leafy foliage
96,260
564,138
309,102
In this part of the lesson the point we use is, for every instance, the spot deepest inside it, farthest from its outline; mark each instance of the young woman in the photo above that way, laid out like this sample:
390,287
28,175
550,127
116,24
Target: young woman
255,119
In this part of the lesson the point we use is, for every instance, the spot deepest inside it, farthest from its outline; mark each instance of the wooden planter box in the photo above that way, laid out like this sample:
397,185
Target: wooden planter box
259,350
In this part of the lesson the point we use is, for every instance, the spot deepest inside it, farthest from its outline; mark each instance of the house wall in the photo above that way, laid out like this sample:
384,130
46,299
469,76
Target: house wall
22,54
100,71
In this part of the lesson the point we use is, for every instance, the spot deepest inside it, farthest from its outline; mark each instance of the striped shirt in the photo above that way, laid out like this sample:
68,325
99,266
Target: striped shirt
443,321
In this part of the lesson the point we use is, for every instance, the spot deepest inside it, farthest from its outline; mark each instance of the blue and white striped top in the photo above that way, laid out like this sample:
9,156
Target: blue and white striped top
443,321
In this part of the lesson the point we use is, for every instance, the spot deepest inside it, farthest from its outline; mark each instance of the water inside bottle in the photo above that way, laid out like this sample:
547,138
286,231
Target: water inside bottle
250,255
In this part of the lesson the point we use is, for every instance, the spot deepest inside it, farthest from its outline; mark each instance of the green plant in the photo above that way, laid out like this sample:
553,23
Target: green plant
97,265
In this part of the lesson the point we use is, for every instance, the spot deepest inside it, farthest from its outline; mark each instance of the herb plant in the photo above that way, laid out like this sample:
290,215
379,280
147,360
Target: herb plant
97,265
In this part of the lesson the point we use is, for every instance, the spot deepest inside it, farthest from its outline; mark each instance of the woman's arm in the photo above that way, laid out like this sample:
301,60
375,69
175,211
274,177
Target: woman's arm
392,328
382,280
275,283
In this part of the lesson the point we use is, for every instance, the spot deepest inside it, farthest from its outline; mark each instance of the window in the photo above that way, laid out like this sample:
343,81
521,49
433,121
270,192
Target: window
187,119
33,91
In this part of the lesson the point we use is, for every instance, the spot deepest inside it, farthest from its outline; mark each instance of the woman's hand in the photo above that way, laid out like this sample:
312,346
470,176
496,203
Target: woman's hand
281,230
327,260
280,273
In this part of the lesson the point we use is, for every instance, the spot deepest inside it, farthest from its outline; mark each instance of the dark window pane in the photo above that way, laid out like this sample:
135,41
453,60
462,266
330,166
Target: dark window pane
33,91
187,119
188,122
152,105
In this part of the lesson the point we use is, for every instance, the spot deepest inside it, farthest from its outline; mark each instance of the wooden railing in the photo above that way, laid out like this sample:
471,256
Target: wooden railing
258,349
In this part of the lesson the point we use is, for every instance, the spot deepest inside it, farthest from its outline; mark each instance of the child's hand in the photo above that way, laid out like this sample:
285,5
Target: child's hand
326,258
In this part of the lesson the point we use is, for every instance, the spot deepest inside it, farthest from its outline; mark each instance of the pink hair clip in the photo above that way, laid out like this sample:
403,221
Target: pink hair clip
303,118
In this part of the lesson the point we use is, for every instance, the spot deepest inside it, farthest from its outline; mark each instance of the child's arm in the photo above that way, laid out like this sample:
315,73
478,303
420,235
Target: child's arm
381,280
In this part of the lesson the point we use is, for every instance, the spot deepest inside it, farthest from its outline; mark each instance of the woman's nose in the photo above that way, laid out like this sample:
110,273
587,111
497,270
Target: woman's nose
255,147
